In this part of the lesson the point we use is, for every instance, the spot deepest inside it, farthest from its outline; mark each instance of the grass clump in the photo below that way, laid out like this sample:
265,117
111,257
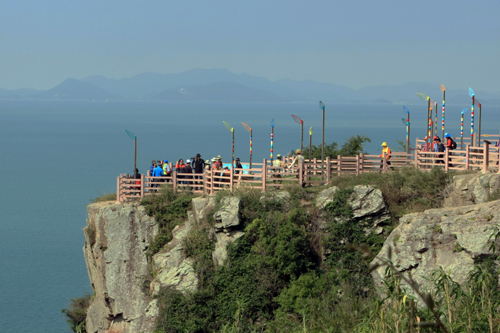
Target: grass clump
76,313
104,197
169,209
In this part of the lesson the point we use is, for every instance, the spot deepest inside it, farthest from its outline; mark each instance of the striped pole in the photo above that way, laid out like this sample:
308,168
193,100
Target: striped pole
443,89
272,140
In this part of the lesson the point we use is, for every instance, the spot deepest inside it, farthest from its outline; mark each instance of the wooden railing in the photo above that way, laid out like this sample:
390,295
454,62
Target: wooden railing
315,172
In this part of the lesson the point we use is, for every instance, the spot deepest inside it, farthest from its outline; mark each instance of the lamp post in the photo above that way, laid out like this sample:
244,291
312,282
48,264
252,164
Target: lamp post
443,89
471,94
132,136
428,119
462,129
322,107
407,129
232,132
248,128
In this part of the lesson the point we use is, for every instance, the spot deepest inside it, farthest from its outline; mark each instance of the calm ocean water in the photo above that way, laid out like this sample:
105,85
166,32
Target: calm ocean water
57,155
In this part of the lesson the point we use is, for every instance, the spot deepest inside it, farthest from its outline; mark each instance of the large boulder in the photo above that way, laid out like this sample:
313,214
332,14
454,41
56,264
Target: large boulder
116,238
202,205
227,227
229,215
471,189
366,201
451,238
282,197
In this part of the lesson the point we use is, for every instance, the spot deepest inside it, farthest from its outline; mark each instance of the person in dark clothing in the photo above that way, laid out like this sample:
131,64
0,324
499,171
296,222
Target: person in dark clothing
152,167
198,165
187,169
237,165
137,180
438,148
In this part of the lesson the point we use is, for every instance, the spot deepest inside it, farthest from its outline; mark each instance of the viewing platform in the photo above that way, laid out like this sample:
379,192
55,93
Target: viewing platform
314,172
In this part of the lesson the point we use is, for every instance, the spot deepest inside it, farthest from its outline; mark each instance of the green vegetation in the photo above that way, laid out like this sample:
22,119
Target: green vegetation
104,197
169,209
405,190
76,313
352,147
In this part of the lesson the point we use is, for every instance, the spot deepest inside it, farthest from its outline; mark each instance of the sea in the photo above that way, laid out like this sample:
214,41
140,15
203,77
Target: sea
57,155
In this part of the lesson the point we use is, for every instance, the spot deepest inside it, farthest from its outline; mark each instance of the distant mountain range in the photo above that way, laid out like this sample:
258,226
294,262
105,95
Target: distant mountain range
222,85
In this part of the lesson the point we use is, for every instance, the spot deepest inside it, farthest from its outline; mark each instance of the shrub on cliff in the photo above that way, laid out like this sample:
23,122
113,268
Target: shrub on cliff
76,313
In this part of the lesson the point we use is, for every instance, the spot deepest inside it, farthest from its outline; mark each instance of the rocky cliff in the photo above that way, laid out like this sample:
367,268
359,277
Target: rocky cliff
116,237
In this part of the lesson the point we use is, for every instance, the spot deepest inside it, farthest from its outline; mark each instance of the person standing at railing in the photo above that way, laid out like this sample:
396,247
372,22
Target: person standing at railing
450,145
166,170
157,172
387,151
152,167
189,171
438,148
137,180
237,165
298,160
198,165
278,165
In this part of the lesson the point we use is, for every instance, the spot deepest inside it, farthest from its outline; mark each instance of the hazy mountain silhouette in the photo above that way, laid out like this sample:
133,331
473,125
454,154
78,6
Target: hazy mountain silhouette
223,85
220,91
77,89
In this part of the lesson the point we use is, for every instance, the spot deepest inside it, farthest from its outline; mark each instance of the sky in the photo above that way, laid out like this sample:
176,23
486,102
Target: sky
354,43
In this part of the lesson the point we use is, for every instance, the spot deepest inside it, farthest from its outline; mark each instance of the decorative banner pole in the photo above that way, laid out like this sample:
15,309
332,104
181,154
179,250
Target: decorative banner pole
310,143
132,136
436,119
429,115
477,103
443,89
301,122
471,94
248,128
322,107
407,129
462,129
272,141
232,131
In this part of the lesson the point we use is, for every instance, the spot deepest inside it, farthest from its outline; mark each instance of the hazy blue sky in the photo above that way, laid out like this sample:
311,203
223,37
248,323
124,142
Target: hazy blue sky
351,43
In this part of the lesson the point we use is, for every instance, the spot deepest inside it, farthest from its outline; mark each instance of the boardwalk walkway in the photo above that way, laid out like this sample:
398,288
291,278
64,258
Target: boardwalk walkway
315,172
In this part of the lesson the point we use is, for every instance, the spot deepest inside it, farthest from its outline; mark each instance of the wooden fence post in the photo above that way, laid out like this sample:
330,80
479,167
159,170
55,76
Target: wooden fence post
339,164
446,160
467,157
142,187
204,181
264,175
384,163
357,165
174,180
301,173
416,158
361,162
212,190
231,180
118,189
486,156
328,170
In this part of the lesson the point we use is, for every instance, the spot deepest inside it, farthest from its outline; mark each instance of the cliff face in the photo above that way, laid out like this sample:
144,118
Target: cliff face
116,237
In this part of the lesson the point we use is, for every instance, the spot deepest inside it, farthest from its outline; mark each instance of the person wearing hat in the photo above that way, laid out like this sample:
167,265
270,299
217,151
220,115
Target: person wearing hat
278,166
188,170
387,151
237,165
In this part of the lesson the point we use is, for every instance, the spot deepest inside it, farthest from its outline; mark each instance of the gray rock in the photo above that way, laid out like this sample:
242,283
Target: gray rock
325,197
228,216
448,237
471,189
278,196
116,237
366,201
223,239
173,268
202,206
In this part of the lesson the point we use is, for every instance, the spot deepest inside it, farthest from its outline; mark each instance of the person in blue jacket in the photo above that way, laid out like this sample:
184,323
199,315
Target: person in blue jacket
157,172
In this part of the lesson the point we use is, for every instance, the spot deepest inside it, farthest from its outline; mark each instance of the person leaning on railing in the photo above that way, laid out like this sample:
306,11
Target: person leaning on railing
278,165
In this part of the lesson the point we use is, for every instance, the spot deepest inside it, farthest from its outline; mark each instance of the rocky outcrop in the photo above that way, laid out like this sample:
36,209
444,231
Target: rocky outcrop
452,238
282,197
227,225
172,267
116,237
366,201
471,189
